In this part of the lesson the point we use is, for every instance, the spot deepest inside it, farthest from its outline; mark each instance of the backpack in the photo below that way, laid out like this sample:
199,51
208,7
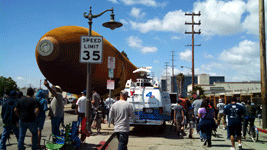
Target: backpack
43,104
250,111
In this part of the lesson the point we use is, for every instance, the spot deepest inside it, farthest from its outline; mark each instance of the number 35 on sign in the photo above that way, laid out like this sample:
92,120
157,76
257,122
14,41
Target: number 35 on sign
91,49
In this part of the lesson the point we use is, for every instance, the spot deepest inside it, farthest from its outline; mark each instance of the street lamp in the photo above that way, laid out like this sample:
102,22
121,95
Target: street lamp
193,79
112,24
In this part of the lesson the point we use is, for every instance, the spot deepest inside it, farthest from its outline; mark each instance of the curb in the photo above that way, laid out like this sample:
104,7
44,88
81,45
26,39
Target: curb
262,130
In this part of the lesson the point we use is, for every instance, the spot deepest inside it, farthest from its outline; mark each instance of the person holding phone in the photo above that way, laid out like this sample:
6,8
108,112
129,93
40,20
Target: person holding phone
56,107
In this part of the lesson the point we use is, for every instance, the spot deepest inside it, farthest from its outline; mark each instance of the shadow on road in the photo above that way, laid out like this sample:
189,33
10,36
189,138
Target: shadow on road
154,131
87,146
71,111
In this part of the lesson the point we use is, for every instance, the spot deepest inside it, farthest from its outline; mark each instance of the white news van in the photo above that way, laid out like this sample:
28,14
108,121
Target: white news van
151,105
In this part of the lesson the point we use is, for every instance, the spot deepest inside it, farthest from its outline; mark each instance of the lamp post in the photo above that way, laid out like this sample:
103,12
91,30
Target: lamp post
192,78
112,24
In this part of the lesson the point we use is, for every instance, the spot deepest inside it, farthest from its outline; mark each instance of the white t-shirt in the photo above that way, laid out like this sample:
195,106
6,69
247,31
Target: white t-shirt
120,113
81,104
221,107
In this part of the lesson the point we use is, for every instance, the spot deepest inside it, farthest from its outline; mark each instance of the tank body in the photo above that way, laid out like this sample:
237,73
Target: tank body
58,57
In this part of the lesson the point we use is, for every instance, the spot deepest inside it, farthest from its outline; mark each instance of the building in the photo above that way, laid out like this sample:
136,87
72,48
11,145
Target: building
203,79
244,91
166,85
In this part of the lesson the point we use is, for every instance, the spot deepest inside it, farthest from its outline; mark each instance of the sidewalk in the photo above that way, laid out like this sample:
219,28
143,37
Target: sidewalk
95,141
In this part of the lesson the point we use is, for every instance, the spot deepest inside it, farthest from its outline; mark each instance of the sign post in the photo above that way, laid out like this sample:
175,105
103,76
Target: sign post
111,67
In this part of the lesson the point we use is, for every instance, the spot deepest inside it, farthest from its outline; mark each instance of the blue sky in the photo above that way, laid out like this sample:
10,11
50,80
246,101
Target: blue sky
151,30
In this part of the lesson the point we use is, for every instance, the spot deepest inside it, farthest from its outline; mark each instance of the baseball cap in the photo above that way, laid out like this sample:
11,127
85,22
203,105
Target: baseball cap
124,92
83,92
58,87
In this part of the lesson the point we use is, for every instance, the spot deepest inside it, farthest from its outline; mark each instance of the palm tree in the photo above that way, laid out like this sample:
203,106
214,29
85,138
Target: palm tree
180,82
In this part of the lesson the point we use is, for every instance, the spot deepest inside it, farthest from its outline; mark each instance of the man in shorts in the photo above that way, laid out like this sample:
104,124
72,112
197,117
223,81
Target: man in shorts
234,112
221,115
179,118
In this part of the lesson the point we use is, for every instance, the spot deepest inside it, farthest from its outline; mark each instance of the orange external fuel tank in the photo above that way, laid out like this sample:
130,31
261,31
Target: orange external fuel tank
58,57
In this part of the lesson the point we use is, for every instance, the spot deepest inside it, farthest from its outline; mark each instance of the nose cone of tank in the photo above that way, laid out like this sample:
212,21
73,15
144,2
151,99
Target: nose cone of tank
47,48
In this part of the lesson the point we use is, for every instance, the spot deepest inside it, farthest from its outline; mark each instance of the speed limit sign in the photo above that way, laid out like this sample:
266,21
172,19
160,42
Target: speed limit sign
91,49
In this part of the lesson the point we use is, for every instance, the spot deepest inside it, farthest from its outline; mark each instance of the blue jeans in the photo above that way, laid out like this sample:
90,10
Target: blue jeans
200,133
32,126
123,140
55,122
6,132
107,112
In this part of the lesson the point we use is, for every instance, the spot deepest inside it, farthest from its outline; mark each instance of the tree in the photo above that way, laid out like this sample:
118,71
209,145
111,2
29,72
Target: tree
7,85
200,89
124,54
180,82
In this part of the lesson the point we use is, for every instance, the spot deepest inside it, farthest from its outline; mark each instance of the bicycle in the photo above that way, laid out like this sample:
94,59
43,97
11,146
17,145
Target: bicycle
98,119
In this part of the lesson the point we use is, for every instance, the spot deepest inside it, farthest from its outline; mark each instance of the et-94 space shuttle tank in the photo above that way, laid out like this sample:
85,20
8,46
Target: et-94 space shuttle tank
58,57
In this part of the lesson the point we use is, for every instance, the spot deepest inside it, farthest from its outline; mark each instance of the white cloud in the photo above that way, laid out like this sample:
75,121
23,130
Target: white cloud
20,78
156,61
208,56
244,53
135,42
136,12
242,61
186,55
172,21
251,22
124,22
149,50
217,18
220,17
176,38
113,1
151,3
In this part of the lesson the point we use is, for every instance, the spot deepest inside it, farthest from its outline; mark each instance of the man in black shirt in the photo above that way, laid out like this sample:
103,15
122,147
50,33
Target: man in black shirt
27,109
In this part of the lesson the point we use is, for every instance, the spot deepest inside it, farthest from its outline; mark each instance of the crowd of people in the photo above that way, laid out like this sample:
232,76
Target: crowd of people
20,113
206,117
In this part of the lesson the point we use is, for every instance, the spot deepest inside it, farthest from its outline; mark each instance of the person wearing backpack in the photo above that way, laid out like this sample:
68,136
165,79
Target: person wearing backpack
10,120
40,119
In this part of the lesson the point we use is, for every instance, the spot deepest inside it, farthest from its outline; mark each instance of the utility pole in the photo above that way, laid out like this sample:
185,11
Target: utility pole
193,33
172,78
40,84
263,61
166,65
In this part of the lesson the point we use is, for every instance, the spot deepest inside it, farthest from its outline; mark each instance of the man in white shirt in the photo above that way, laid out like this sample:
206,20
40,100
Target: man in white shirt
80,105
120,114
221,115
